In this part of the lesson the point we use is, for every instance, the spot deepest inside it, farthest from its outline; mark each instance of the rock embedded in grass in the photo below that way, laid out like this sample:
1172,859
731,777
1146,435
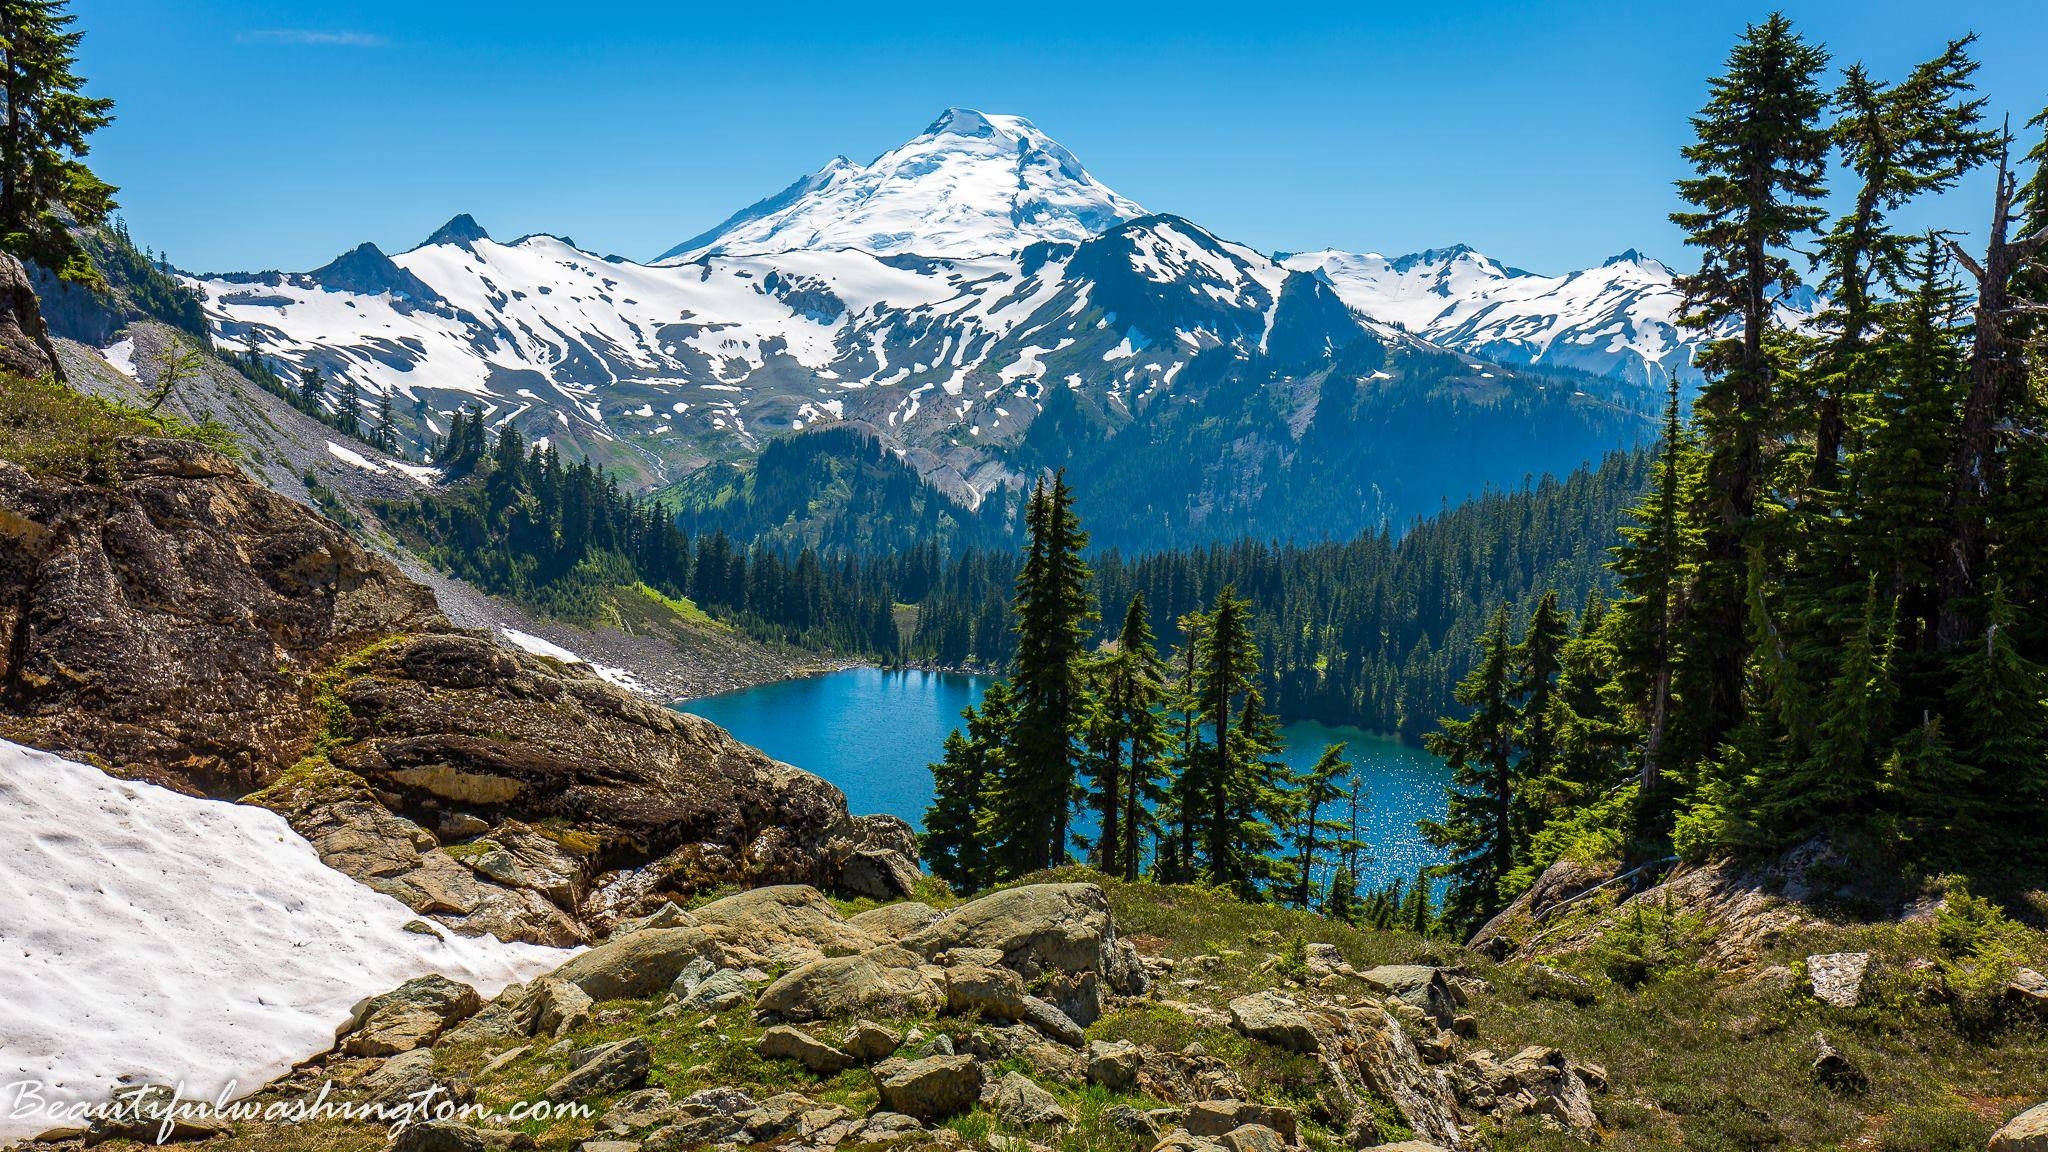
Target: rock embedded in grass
929,1089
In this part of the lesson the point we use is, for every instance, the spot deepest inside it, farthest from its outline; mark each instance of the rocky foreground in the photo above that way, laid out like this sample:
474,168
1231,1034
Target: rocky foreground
810,1030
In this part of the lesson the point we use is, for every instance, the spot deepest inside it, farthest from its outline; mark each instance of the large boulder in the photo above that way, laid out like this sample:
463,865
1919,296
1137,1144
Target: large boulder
413,1015
882,982
930,1089
1059,934
780,924
637,965
898,921
785,1043
25,347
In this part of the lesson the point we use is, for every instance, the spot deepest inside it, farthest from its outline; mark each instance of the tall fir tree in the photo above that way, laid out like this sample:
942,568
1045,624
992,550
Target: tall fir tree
45,186
1479,828
1127,737
953,843
1053,609
1759,160
1313,836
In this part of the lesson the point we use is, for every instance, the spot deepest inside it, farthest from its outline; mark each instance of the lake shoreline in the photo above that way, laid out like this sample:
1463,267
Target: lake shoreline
873,732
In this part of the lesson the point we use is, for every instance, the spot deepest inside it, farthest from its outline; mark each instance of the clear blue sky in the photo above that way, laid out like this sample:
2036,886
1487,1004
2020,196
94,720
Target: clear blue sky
256,135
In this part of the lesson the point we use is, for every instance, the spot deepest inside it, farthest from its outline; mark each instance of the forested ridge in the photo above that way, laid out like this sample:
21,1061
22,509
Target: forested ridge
1372,632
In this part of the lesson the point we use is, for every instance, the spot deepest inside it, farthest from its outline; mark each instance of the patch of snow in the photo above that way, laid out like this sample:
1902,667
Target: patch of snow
527,642
121,354
156,937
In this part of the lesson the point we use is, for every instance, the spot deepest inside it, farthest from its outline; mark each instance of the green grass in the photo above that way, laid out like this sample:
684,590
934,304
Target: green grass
684,608
53,431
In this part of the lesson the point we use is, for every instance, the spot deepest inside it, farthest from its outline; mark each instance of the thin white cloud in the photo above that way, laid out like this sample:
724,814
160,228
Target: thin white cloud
311,36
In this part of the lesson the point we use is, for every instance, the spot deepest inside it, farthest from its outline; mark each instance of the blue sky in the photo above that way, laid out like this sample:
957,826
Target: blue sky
256,135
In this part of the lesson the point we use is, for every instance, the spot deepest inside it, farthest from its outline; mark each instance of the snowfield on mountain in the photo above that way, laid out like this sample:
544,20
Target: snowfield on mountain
1619,319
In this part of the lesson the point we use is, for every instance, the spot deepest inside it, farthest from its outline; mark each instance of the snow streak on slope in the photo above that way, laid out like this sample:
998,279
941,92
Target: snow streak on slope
1619,319
973,184
153,936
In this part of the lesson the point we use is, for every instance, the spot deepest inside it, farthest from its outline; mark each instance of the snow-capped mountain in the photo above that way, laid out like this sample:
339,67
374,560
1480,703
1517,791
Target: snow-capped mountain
685,362
972,184
1619,319
941,296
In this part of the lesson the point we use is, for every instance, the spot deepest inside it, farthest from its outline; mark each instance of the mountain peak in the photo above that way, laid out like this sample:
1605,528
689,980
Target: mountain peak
462,230
973,183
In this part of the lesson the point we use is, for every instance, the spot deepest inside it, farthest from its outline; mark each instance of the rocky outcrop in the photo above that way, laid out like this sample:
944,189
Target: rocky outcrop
25,347
175,622
182,624
1738,909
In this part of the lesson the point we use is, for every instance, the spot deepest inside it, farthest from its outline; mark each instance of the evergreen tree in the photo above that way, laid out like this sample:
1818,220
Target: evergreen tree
1901,142
1759,160
45,186
349,410
953,842
1310,837
1479,828
312,388
387,432
1053,610
1538,660
2001,696
1216,785
1653,565
1127,736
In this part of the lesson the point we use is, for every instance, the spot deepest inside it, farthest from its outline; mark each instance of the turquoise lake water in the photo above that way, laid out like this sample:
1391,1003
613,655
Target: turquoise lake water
874,733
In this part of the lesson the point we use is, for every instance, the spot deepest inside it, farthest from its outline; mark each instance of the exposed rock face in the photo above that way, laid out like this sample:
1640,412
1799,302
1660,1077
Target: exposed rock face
883,982
1837,977
1059,935
183,624
25,348
931,1088
1741,909
173,623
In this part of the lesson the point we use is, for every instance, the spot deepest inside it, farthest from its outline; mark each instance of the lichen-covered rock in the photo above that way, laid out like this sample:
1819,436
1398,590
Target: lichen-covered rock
882,982
1274,1018
413,1015
898,921
1019,1101
868,1042
183,624
1061,934
1836,978
879,873
1114,1064
780,924
930,1089
637,965
617,1067
1214,1118
2026,1132
785,1043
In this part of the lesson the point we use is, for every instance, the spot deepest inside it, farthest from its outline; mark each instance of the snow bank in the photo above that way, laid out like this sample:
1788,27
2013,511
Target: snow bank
151,936
528,642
